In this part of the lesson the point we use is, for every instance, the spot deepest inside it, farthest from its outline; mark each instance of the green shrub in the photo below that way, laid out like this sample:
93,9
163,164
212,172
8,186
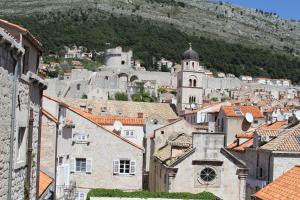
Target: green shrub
121,96
145,194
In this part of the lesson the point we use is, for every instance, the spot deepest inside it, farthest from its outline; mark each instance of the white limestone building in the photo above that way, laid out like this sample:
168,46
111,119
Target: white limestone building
190,82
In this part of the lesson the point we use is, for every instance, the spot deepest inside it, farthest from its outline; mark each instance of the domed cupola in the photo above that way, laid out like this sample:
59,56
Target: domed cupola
190,54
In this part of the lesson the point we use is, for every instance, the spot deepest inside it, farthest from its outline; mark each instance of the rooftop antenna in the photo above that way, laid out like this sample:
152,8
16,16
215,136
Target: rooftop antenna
249,117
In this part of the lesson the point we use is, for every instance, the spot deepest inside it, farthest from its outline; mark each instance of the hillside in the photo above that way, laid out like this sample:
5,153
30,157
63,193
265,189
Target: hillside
195,17
95,24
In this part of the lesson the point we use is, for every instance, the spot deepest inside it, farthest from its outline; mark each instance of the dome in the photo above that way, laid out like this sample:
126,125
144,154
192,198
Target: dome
190,54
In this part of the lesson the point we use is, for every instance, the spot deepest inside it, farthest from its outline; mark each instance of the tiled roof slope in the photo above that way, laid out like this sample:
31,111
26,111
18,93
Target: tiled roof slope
44,182
240,147
285,187
182,141
229,111
127,108
22,30
109,120
289,140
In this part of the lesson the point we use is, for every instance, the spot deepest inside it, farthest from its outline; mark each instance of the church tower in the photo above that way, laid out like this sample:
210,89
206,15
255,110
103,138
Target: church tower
189,82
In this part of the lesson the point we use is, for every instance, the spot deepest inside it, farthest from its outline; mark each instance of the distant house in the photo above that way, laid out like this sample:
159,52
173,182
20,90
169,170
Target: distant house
89,155
286,186
232,120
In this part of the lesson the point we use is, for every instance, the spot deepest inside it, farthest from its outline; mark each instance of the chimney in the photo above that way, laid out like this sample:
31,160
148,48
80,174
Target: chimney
82,106
140,115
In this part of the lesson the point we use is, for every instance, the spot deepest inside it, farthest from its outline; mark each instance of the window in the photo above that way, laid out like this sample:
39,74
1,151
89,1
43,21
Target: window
124,167
78,86
208,174
260,175
162,132
80,165
192,99
195,83
79,196
255,121
123,62
193,65
60,160
21,145
190,82
26,60
129,133
80,137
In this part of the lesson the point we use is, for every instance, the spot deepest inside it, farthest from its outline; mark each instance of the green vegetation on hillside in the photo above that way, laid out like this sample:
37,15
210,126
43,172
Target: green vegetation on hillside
149,40
144,194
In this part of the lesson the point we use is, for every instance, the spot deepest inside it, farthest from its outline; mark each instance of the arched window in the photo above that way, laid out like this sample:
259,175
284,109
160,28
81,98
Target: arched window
193,65
195,83
190,82
78,86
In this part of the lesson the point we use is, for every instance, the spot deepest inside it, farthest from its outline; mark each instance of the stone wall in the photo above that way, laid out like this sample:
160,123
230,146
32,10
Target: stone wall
5,128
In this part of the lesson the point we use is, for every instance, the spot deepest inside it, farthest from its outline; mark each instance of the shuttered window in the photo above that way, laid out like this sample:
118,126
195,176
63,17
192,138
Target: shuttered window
124,167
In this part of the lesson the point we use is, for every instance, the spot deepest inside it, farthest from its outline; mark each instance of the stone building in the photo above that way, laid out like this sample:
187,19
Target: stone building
232,120
21,91
190,82
89,155
186,161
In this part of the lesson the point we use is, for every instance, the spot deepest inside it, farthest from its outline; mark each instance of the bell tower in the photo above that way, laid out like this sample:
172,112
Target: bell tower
189,82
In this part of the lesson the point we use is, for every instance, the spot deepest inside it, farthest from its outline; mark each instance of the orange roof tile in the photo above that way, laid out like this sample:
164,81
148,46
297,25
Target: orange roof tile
275,125
23,31
49,116
44,182
286,186
109,120
229,111
241,147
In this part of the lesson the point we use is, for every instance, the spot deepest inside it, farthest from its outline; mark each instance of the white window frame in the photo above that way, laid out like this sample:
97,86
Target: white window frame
129,133
21,149
80,138
117,167
88,165
79,196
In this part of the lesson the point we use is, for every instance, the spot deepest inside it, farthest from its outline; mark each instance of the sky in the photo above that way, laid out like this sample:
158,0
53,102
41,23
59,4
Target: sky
287,9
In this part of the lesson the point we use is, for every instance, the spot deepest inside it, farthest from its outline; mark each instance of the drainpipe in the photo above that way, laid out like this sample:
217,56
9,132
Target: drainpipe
39,144
29,156
12,134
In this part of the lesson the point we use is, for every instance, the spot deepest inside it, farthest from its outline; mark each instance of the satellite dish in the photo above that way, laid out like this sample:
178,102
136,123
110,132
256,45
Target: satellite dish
118,126
249,117
193,106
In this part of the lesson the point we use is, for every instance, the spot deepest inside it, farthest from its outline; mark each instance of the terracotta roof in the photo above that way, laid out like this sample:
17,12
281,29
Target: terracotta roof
23,31
248,134
230,111
86,117
285,187
268,132
164,154
241,147
127,108
117,135
44,182
275,125
109,120
288,140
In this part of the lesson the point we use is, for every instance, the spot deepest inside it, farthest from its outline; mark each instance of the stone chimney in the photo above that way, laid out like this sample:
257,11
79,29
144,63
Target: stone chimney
90,109
140,115
82,106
